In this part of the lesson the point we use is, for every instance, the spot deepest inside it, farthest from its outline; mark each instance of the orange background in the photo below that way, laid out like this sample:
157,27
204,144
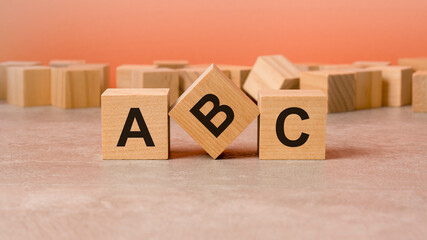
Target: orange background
233,32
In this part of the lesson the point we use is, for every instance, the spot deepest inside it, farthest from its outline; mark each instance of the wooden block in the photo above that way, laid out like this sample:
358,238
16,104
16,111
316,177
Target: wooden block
28,86
397,85
135,124
271,72
124,73
3,73
417,64
332,67
214,111
174,64
305,67
75,87
238,74
366,64
65,63
292,124
192,73
337,85
368,88
419,92
157,78
104,70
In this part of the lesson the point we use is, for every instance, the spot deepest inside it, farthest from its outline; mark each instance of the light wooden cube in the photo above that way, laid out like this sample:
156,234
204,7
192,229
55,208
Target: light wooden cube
417,64
304,67
368,88
65,63
75,87
104,70
292,124
189,74
366,64
271,72
124,73
173,64
214,111
397,85
419,92
338,85
135,123
28,86
334,67
3,73
157,78
238,74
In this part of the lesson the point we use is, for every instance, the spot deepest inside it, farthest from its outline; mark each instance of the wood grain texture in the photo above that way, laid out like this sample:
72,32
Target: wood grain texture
419,92
366,64
157,78
213,81
368,88
3,73
332,67
272,103
65,63
397,85
124,73
173,64
104,70
238,74
189,74
28,86
271,72
304,67
75,87
153,105
417,64
338,85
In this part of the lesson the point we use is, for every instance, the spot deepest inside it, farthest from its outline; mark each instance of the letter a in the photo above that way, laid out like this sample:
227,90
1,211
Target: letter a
135,113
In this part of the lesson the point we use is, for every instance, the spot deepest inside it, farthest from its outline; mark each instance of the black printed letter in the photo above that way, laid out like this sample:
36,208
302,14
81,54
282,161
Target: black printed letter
135,113
280,132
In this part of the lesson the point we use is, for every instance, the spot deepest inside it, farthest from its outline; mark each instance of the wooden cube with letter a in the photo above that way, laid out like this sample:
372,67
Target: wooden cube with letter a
292,124
135,123
214,111
419,92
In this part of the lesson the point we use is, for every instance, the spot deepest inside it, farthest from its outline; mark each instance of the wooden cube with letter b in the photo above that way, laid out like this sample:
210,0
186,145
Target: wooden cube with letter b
214,111
135,123
292,124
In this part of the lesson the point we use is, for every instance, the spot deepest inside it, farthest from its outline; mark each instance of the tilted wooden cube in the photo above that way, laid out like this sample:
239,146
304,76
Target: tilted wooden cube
292,124
3,73
189,74
173,64
75,87
214,111
65,63
28,86
124,73
419,92
157,78
104,70
418,64
368,88
339,86
397,85
271,72
135,124
238,74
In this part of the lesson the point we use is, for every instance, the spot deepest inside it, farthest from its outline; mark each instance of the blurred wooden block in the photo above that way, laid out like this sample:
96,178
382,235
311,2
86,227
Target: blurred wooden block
213,111
305,67
174,64
135,124
368,88
366,64
334,67
339,87
65,63
271,72
104,70
238,74
292,124
157,78
192,73
28,86
417,64
75,87
124,73
397,85
3,73
419,92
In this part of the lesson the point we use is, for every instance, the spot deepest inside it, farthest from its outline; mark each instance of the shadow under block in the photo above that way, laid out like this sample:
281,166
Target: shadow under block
368,88
417,64
28,86
238,74
419,92
104,70
292,124
173,64
338,86
271,72
75,87
214,111
3,73
65,63
397,85
157,78
366,64
124,73
135,124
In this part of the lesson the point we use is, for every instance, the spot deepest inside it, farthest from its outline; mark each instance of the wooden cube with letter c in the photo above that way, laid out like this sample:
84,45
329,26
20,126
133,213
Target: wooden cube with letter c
214,111
292,124
135,123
